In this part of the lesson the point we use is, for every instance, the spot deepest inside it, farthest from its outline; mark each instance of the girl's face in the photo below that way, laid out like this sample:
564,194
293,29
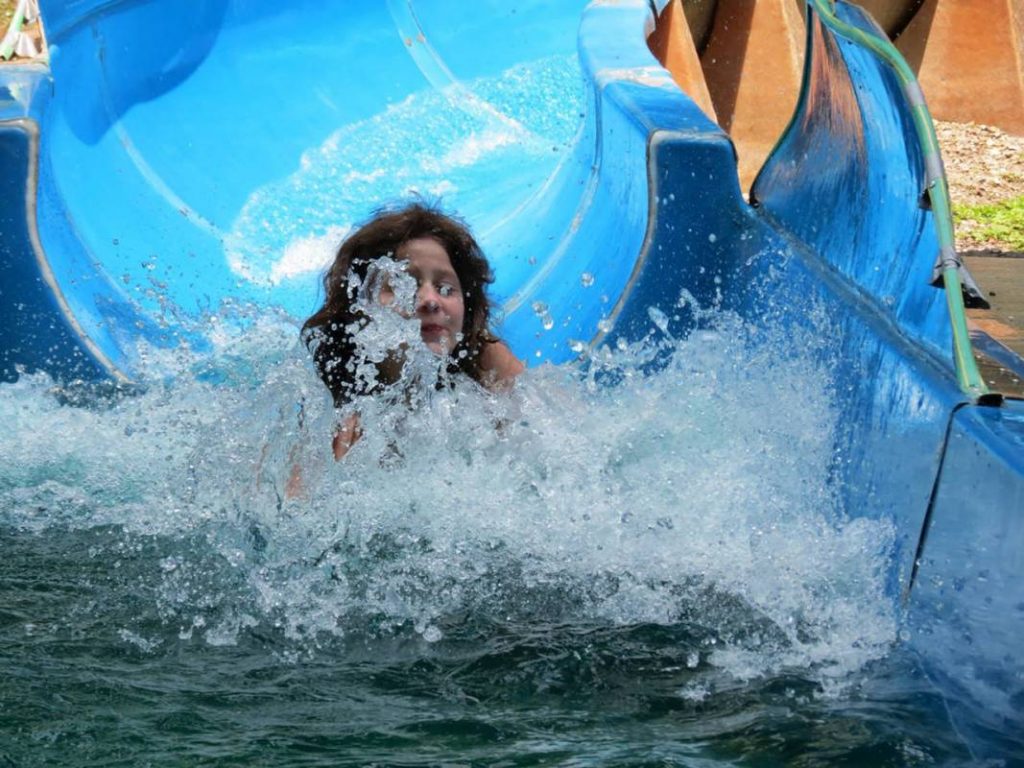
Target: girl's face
440,305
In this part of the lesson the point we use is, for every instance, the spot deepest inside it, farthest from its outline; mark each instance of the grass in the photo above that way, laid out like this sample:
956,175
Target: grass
1002,222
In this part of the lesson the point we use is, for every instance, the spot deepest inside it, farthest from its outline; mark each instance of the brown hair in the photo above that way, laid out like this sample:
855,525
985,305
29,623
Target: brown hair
328,333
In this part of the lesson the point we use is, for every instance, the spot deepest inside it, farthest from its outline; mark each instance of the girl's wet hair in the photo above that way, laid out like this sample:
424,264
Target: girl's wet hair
328,333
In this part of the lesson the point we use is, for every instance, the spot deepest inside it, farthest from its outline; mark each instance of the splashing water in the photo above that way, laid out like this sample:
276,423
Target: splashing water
626,505
473,152
670,544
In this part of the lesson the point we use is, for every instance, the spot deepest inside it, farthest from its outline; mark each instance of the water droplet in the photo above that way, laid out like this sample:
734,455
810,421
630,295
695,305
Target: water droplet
712,237
658,318
685,297
605,325
577,346
692,659
540,309
586,279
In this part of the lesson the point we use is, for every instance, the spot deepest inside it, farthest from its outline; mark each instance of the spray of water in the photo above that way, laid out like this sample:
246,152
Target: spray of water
474,152
694,495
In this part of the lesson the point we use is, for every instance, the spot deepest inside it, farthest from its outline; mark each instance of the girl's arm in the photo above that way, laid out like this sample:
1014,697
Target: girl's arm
501,366
348,433
293,488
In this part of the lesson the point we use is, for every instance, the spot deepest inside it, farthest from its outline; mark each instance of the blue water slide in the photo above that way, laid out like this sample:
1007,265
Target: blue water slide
180,170
849,184
174,160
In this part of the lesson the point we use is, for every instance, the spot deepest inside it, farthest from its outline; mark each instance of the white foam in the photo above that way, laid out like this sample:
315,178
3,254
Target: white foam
430,143
701,491
308,254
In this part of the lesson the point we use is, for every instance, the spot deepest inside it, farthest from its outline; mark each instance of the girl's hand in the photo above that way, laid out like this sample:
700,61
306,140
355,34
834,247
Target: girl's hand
349,432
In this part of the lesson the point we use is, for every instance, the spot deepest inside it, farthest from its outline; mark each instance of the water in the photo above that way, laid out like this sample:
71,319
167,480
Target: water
476,146
652,573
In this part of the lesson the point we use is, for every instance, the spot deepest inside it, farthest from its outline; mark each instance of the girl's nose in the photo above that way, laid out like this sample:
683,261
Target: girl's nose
427,299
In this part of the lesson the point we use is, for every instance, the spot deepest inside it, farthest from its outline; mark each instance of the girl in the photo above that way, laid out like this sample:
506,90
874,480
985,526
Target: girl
449,300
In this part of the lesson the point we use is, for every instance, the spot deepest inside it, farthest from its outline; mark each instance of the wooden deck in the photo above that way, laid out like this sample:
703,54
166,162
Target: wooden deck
1001,276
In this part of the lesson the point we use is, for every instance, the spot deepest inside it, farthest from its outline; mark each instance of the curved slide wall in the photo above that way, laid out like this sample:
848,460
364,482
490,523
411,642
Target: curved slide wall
179,170
846,183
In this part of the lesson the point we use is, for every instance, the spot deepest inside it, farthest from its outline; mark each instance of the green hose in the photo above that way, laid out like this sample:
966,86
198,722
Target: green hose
968,376
10,40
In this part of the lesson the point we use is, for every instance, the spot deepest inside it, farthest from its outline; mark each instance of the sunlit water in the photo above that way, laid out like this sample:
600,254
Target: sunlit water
476,146
651,573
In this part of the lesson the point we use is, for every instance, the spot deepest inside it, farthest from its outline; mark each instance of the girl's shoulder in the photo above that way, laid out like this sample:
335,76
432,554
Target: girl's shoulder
500,367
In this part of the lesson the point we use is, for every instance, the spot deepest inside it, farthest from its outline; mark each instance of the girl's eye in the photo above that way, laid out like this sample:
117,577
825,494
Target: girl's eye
446,290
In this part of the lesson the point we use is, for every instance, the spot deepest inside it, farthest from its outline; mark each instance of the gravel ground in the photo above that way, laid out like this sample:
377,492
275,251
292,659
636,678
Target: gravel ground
983,165
986,165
